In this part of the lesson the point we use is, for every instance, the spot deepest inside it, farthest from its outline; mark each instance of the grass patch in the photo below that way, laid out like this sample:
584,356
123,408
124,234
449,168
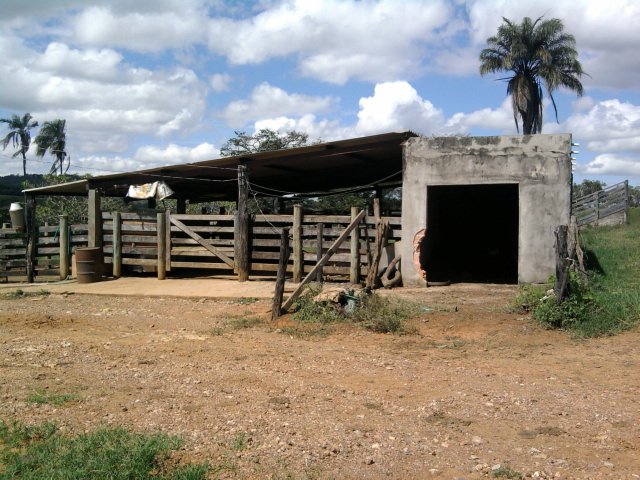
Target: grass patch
244,300
244,322
37,452
18,293
372,312
58,400
507,472
609,302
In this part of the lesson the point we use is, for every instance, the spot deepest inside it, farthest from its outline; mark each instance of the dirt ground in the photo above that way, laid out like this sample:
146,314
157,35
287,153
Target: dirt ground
477,391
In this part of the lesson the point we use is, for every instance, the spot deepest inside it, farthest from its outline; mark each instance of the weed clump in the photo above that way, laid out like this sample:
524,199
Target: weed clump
370,311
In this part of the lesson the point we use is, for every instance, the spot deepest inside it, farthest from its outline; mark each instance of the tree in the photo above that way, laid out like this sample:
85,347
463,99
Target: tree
587,187
53,138
536,53
264,140
19,135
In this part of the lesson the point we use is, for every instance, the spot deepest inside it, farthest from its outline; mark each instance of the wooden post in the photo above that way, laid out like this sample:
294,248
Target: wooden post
298,254
327,256
276,310
32,238
241,231
95,219
162,246
167,229
597,206
117,245
64,246
562,265
626,202
181,206
319,242
382,231
376,203
354,261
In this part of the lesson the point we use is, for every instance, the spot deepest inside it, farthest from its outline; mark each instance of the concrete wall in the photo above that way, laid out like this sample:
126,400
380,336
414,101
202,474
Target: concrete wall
539,164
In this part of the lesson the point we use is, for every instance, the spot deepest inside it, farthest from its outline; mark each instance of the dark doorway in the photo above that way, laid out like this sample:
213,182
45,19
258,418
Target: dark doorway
472,234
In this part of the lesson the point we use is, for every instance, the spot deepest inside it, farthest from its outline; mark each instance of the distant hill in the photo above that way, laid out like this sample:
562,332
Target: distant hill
12,184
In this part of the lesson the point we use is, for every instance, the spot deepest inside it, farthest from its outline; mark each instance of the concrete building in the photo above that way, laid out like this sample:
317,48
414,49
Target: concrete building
483,208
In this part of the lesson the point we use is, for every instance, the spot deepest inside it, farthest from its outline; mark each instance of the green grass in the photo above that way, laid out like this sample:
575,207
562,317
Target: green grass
18,293
614,257
506,472
371,312
609,301
39,452
58,400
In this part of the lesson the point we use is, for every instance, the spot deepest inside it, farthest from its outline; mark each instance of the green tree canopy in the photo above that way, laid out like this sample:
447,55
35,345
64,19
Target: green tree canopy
53,138
535,53
264,140
19,135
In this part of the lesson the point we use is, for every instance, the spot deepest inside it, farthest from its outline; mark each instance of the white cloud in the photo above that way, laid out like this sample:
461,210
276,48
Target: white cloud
487,119
139,30
105,102
397,106
335,40
268,101
612,164
145,157
609,126
220,82
394,106
174,154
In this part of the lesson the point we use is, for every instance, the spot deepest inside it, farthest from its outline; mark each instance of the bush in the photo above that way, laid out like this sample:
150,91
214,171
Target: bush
371,311
578,309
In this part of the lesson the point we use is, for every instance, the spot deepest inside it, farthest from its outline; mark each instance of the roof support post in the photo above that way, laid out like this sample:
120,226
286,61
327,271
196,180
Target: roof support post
32,238
95,218
298,254
64,246
354,262
181,207
241,224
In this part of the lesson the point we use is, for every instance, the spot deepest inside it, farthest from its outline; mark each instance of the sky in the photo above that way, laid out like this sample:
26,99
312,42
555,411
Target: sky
148,83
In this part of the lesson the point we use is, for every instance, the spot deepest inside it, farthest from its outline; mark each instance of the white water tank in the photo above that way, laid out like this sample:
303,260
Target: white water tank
17,216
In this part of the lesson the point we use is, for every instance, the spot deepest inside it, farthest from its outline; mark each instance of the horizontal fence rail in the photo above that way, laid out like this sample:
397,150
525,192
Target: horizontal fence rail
13,250
601,204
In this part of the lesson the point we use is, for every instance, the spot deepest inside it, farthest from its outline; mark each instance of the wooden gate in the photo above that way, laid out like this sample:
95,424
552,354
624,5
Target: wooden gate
200,241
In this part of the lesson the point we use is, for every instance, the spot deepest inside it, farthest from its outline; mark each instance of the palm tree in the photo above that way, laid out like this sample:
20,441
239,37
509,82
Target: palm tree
536,53
52,137
19,135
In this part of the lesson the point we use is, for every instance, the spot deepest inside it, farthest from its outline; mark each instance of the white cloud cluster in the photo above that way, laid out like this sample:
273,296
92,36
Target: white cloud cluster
612,164
335,40
145,157
609,126
267,100
104,100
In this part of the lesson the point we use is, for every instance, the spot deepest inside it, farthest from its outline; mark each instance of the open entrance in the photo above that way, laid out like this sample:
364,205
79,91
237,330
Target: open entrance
472,234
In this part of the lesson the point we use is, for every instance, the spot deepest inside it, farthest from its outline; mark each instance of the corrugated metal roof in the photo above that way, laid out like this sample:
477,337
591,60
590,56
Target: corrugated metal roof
314,168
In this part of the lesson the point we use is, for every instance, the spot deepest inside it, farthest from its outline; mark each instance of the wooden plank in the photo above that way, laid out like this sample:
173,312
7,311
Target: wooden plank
126,216
206,229
217,252
116,238
162,247
324,260
227,218
13,241
220,266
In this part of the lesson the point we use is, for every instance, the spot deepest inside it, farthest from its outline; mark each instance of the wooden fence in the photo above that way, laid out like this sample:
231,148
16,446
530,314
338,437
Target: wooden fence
131,240
46,261
207,242
604,203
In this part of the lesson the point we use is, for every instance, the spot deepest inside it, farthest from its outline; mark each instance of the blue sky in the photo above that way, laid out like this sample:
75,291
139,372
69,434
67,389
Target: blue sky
157,82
